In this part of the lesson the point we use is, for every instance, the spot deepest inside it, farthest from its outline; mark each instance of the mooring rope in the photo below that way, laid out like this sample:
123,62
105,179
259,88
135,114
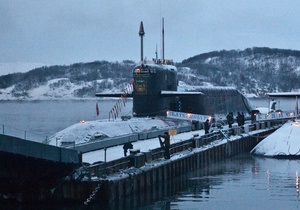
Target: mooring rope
89,199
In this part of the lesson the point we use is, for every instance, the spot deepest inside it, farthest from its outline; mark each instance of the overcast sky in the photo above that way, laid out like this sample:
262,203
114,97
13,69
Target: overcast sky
69,31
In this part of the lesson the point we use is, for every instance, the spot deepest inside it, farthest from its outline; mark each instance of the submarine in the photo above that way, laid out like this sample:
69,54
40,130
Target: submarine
155,91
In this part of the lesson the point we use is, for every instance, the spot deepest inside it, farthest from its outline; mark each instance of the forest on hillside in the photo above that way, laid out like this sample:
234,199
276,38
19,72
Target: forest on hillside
255,70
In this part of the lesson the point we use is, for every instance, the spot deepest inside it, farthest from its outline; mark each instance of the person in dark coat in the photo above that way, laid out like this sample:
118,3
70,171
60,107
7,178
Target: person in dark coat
165,144
239,119
127,146
206,126
230,119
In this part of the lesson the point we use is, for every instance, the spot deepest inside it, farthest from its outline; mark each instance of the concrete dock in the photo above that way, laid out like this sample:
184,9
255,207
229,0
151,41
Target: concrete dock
147,172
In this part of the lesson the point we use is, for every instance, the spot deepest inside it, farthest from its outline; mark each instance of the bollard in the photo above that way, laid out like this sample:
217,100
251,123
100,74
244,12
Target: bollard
148,156
262,125
246,128
138,160
197,143
257,126
236,130
134,151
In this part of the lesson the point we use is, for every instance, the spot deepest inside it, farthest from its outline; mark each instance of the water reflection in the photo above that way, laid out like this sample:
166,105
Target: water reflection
193,187
297,183
241,182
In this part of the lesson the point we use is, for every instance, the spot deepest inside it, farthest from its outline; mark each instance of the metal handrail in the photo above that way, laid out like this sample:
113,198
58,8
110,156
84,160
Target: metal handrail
22,134
113,166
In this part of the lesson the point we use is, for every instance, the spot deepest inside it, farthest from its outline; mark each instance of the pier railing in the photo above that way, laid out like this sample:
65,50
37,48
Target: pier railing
22,134
139,159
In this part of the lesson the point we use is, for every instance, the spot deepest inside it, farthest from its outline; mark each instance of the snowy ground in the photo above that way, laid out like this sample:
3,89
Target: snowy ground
284,141
87,131
117,152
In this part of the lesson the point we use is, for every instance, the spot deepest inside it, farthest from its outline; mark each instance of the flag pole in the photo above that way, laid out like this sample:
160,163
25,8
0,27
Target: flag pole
97,109
297,109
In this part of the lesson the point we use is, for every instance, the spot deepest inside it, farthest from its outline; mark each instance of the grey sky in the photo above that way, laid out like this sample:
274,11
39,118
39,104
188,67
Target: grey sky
71,31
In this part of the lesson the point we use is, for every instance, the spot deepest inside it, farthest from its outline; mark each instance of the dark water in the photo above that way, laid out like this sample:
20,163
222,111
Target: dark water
241,182
44,118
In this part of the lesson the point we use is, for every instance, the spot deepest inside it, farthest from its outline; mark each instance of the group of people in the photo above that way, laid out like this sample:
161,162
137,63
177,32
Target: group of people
230,119
240,119
166,143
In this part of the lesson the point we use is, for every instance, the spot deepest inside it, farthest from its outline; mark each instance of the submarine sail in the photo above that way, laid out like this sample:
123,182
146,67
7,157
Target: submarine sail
155,92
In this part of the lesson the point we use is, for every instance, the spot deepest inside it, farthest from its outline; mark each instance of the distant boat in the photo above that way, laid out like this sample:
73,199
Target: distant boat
283,143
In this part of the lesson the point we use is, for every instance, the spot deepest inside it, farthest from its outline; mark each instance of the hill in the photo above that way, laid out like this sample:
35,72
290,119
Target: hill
80,80
254,71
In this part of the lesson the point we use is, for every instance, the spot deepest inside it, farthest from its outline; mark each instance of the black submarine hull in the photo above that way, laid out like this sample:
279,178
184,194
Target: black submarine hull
155,93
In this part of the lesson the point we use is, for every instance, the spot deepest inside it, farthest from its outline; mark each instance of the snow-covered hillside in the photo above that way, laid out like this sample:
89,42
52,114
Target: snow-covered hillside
253,71
81,80
61,88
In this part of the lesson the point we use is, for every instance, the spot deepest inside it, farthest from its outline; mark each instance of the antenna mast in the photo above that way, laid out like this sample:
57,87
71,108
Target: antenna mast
156,57
163,41
142,33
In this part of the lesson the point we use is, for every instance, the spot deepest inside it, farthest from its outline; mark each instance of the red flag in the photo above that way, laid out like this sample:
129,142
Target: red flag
97,109
115,110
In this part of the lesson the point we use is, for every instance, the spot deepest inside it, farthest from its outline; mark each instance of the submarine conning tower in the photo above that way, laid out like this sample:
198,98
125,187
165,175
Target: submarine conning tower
155,91
149,80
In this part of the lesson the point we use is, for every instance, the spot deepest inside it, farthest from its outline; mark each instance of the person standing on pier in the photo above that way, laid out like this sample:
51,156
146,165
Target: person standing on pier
230,119
243,118
165,144
206,126
239,119
127,146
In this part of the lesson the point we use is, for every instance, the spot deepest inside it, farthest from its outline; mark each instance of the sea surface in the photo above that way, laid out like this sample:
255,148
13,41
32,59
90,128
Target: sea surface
38,120
240,182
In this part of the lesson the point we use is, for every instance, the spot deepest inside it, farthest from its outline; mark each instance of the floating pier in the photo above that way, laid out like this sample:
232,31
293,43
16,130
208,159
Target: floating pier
28,169
146,173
